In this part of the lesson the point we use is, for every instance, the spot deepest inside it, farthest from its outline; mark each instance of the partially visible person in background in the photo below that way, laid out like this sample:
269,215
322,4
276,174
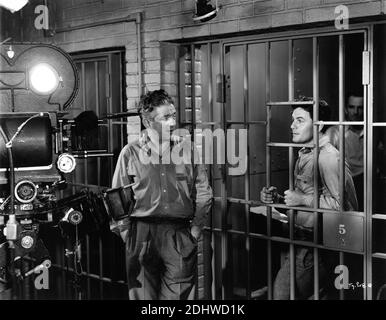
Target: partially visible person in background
353,144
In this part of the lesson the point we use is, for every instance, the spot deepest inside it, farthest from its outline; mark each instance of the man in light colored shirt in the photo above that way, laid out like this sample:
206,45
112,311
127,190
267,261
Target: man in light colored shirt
353,143
303,195
172,202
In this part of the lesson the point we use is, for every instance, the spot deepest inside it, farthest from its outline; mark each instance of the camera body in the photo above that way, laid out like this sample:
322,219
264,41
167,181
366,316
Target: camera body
38,82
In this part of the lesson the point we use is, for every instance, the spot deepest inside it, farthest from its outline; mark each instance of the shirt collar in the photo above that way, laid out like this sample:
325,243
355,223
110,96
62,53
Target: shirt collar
147,144
361,133
323,140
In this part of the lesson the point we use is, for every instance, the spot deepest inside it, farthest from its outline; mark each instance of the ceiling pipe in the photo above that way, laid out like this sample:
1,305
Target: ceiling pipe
136,17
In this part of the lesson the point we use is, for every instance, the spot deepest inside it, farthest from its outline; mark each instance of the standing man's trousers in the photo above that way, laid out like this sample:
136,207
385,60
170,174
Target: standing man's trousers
161,260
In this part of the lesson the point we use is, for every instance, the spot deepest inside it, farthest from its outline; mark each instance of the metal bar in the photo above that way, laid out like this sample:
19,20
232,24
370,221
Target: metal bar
268,168
341,119
379,124
224,192
365,135
203,123
93,155
246,175
91,275
246,122
379,255
288,241
84,185
341,137
259,203
97,105
181,87
129,18
110,131
118,123
291,145
315,117
290,175
138,20
291,222
88,265
96,87
210,103
193,86
368,161
301,34
328,211
100,267
379,216
291,102
193,104
336,123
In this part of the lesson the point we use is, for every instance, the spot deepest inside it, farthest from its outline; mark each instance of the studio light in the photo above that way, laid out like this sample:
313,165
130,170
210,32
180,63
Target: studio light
205,11
44,79
13,5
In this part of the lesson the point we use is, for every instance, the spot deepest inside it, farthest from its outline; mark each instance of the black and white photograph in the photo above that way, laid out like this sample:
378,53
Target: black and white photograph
209,151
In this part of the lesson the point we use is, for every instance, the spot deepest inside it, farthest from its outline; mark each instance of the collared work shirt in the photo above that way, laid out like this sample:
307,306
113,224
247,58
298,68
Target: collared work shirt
164,190
329,198
354,151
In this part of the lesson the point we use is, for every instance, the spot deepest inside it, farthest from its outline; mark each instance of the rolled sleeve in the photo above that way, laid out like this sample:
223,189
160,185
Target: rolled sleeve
120,179
201,195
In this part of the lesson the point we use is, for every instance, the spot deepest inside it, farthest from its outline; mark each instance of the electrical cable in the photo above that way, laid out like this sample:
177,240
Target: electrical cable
19,128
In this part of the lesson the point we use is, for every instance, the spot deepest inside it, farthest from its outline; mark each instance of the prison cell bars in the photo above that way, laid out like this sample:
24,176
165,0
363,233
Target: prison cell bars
317,211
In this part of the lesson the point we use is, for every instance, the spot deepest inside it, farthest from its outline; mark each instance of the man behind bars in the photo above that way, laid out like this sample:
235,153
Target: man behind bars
172,201
303,195
353,143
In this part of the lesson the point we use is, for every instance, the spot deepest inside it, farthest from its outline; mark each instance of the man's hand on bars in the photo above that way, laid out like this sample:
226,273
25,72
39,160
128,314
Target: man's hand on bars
269,195
294,198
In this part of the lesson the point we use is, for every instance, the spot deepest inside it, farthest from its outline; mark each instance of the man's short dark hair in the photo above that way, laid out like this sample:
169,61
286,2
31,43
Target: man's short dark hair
153,99
324,108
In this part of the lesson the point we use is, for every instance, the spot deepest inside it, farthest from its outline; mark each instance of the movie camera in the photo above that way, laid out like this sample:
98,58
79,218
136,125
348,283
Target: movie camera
39,148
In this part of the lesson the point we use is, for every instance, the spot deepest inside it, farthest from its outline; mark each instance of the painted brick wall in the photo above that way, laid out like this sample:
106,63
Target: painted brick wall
165,20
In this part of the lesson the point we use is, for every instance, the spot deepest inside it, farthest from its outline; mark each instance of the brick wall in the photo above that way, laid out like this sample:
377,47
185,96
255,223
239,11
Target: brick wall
165,20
